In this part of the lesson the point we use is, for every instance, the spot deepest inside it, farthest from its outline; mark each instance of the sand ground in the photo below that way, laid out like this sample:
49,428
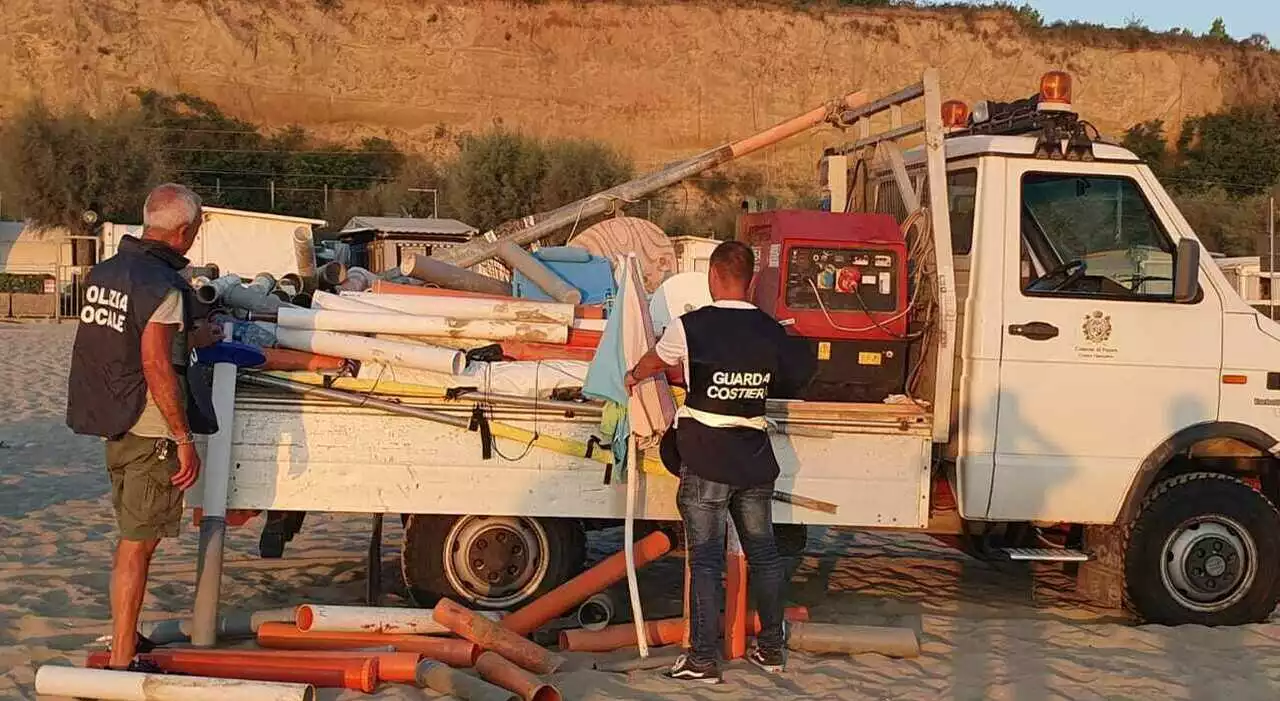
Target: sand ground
987,631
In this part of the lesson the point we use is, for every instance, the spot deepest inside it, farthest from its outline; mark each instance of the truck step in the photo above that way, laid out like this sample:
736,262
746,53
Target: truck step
1045,555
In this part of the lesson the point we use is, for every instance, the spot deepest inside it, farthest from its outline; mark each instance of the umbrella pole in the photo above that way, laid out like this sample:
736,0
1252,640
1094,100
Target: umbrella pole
629,536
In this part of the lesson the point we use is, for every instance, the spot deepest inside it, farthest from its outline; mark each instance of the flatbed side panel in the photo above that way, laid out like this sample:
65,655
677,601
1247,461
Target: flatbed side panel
329,459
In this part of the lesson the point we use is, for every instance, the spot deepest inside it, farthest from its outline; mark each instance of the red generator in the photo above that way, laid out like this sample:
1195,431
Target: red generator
840,281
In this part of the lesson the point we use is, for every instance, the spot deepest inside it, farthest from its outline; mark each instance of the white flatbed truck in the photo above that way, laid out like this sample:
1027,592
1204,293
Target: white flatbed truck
1093,391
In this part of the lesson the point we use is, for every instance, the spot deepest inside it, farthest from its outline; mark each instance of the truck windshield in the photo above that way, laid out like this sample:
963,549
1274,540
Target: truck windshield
1094,236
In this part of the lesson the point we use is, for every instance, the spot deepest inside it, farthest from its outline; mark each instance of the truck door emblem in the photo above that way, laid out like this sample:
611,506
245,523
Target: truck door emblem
1097,328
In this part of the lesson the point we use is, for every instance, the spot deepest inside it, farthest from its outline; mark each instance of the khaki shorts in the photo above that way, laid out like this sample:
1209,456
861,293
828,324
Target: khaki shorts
147,505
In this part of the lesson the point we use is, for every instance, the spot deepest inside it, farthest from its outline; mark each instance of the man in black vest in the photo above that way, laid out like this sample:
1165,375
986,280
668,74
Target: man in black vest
734,357
128,370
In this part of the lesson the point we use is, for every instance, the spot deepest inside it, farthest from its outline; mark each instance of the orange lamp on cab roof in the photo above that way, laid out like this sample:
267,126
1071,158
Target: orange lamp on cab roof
1055,91
955,114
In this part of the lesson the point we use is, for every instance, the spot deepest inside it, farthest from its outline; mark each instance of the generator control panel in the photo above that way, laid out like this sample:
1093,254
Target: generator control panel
838,280
830,275
844,279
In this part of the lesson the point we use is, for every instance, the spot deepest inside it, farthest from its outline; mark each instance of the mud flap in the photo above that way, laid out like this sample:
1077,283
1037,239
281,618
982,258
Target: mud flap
1101,579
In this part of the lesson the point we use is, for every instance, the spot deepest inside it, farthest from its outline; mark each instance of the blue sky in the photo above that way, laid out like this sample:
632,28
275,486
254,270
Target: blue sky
1243,17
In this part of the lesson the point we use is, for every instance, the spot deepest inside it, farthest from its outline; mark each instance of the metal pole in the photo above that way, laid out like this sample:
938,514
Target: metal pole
326,199
1271,268
273,195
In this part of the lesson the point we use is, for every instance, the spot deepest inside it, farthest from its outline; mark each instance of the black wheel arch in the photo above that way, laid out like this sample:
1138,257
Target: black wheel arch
1182,441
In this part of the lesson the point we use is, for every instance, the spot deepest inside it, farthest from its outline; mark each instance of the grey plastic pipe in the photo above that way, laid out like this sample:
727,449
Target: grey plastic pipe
537,271
215,482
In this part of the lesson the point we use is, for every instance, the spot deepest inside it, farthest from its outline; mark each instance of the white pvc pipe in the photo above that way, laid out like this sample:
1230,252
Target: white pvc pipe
470,307
343,303
215,483
372,619
628,547
109,685
394,353
413,325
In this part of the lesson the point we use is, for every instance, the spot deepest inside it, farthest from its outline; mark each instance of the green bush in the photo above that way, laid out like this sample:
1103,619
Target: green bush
503,175
54,168
30,284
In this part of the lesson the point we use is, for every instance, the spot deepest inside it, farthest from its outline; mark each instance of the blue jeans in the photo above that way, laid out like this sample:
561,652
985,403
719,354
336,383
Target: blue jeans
703,505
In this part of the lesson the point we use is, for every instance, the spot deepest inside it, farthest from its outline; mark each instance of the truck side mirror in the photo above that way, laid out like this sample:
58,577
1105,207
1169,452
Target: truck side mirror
1186,274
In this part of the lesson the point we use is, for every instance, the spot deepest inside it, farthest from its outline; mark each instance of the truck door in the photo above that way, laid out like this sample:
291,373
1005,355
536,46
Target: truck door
1098,364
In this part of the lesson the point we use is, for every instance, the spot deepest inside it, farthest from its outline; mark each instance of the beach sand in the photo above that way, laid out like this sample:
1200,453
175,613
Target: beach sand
987,631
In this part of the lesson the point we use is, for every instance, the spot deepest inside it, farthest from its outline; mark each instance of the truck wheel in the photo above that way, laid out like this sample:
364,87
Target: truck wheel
1204,549
489,562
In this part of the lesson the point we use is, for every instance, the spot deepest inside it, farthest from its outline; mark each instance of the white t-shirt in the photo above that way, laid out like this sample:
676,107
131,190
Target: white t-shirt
152,424
673,349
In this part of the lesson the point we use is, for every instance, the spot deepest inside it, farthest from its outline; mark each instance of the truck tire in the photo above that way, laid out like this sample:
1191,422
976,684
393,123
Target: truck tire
1204,549
489,562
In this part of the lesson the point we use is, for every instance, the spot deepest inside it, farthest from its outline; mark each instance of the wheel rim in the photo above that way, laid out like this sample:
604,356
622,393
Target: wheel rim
1209,563
496,561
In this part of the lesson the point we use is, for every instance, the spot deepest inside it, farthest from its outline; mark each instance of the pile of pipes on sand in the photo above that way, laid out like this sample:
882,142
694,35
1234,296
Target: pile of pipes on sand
450,649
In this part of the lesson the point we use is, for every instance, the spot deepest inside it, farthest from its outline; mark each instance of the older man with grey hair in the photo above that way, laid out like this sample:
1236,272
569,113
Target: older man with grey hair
127,385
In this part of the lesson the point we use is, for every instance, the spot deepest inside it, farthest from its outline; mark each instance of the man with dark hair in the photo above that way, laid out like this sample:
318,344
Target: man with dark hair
128,368
734,357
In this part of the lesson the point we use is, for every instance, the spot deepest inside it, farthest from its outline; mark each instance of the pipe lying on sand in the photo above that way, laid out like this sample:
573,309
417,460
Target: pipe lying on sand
605,574
237,625
356,672
447,680
825,638
395,667
580,311
110,685
451,651
492,636
332,274
508,675
665,631
372,619
597,612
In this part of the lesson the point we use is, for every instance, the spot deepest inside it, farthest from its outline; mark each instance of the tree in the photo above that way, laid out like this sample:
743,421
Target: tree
497,176
1237,149
577,168
1147,141
503,175
1218,30
55,168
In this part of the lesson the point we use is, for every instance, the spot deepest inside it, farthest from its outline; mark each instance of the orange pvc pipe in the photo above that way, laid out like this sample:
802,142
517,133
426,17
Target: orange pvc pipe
498,670
451,651
565,597
288,359
580,311
584,338
735,598
358,673
520,350
397,667
494,637
665,631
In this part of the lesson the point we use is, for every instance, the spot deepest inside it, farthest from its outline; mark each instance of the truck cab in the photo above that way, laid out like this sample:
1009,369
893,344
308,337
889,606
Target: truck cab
1108,377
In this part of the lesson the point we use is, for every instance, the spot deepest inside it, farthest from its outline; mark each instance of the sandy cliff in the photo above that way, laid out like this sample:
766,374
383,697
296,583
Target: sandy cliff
658,79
